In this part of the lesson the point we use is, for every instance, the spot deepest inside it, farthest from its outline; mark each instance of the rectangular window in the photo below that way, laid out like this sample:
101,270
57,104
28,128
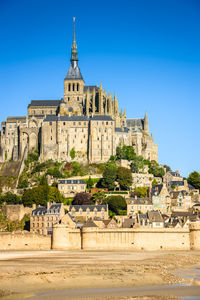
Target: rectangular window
50,123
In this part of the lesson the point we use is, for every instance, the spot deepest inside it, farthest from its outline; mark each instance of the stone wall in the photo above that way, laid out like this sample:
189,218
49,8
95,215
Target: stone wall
195,235
137,239
24,241
16,212
66,238
121,238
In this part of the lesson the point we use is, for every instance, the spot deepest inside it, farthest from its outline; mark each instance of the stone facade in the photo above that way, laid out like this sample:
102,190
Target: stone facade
86,119
69,187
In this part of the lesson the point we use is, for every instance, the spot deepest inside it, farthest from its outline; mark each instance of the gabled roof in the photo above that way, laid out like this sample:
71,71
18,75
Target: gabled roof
154,216
156,189
44,103
90,223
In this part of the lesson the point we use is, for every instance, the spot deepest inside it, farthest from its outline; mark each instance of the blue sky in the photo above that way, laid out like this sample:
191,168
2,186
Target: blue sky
146,51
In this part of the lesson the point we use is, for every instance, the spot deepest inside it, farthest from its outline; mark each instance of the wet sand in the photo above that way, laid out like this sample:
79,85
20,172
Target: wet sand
97,274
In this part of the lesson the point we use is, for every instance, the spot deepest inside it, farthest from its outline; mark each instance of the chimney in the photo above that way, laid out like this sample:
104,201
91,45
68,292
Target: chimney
48,205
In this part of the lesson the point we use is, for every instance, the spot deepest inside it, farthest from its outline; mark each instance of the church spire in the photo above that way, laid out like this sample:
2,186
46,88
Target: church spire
74,54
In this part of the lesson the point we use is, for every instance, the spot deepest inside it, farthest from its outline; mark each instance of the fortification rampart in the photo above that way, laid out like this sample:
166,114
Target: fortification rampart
136,239
195,235
16,212
24,241
66,238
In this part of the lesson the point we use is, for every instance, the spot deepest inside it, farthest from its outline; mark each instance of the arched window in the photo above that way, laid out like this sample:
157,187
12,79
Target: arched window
69,87
77,87
73,87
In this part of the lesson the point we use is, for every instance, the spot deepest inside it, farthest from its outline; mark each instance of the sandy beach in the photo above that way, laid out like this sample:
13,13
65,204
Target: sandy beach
26,274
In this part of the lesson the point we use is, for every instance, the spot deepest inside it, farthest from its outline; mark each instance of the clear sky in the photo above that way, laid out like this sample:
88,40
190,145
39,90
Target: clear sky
148,51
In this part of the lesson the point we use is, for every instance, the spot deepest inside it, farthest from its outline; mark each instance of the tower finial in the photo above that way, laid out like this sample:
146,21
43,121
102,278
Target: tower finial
74,56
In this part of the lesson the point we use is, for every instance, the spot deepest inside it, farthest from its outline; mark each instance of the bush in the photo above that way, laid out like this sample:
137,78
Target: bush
82,199
140,191
54,172
32,157
125,152
72,153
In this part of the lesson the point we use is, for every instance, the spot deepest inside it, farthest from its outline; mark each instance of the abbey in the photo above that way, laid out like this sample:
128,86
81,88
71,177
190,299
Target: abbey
86,119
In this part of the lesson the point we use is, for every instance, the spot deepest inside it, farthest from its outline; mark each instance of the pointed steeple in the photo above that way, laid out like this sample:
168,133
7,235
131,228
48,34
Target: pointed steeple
74,54
74,72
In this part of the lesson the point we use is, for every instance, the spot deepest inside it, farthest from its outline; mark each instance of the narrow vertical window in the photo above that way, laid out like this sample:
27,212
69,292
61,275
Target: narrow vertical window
77,87
69,87
73,87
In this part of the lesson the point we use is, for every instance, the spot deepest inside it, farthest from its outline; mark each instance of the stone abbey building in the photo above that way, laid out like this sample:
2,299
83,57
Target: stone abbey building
86,119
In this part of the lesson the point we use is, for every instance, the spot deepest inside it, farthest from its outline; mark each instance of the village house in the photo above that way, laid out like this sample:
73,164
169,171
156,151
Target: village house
138,205
172,176
161,198
151,219
180,200
69,187
43,218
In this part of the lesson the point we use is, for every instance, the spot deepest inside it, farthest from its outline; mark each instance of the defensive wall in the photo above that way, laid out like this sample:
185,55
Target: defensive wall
126,238
24,241
16,212
92,238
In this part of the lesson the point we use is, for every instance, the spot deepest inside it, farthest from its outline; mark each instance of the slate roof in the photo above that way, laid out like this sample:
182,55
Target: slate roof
128,223
90,223
175,194
135,123
13,119
118,129
45,103
91,207
101,118
74,73
71,181
156,189
175,174
55,208
176,183
40,210
154,216
90,87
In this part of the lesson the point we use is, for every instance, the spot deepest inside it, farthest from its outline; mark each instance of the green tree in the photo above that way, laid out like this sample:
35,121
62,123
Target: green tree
109,176
54,195
116,204
125,152
72,153
154,182
124,178
10,198
89,183
137,165
35,195
99,197
194,179
140,192
82,199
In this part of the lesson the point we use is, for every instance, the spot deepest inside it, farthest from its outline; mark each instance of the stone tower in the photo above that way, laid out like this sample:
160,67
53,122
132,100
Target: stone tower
73,82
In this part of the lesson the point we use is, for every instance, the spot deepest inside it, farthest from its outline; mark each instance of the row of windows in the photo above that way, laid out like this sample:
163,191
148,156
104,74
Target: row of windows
38,225
81,123
35,112
48,218
74,87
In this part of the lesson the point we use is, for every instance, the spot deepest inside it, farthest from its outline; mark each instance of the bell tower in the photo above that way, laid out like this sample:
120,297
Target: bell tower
73,82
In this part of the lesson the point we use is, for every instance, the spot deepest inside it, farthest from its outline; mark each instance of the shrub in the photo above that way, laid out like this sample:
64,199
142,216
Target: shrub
124,177
82,199
72,153
116,204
